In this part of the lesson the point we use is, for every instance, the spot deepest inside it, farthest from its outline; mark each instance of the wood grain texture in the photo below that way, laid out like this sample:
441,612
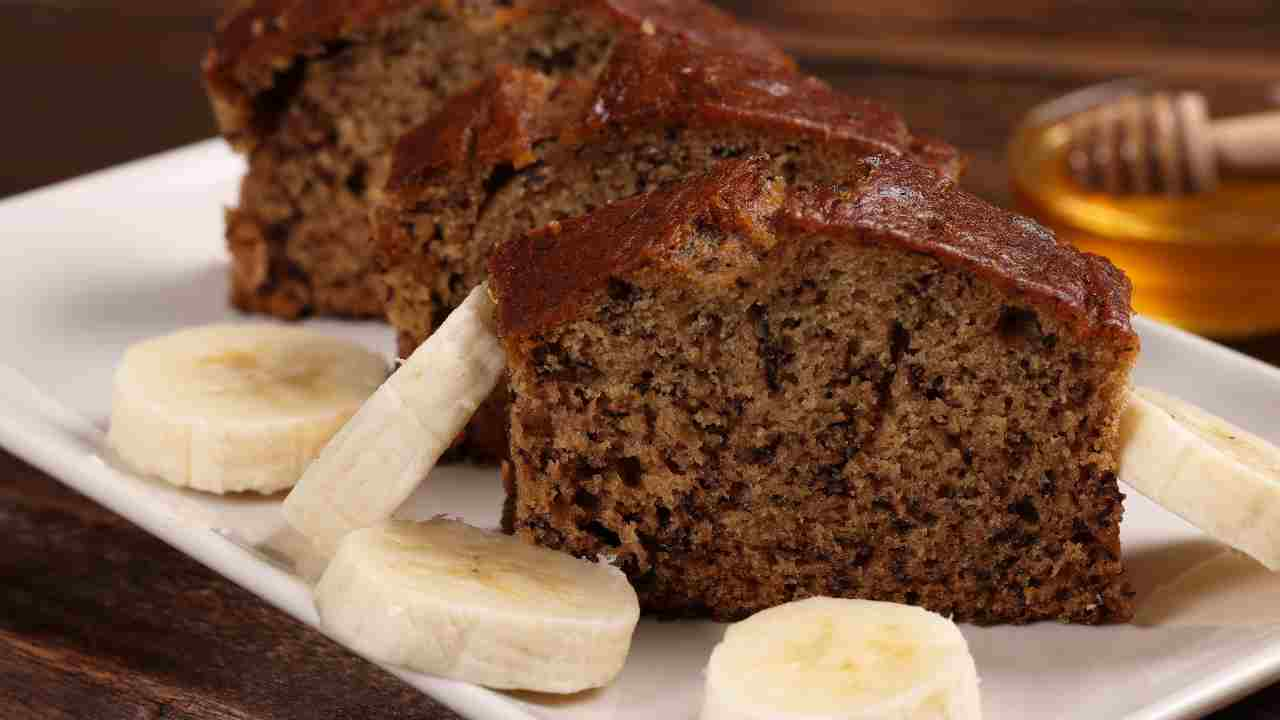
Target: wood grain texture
100,620
1083,38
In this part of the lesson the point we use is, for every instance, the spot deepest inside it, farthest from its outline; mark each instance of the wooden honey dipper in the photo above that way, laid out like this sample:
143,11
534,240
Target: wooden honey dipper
1163,143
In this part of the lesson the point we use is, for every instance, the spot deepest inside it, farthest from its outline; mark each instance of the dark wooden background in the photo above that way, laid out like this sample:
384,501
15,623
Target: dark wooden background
99,620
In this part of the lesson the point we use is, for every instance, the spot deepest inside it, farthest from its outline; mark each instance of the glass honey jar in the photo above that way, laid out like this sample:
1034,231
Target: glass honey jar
1207,262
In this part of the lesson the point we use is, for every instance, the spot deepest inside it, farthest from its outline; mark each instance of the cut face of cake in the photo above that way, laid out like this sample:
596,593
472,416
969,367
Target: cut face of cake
316,91
523,149
749,391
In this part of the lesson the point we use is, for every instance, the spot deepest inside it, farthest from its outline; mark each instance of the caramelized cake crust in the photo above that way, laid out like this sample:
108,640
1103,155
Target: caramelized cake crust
315,92
524,149
757,391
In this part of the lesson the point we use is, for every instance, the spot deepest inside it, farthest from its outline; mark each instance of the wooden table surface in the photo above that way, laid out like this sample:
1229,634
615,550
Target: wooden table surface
100,620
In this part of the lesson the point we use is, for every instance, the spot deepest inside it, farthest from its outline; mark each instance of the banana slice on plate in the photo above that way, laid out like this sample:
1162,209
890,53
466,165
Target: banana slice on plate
233,408
381,456
831,659
1218,477
448,599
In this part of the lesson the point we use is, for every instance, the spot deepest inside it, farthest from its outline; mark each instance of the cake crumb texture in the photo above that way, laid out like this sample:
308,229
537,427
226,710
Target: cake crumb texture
523,149
753,396
315,92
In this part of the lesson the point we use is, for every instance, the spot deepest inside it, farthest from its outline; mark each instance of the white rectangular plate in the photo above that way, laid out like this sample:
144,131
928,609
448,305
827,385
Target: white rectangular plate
95,264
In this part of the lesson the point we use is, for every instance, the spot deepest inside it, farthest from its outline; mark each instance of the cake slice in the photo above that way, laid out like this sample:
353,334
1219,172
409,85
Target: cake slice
749,391
523,149
316,91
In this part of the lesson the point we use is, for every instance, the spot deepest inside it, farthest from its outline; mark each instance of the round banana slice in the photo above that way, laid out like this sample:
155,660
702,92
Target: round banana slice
379,458
831,659
448,599
233,408
1222,479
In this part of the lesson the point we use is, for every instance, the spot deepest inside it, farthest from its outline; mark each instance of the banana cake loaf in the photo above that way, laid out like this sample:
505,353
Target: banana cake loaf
523,149
314,92
749,391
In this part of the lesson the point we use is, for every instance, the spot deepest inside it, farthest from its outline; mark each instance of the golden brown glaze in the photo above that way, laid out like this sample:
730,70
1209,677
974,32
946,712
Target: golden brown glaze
663,80
497,122
542,279
913,208
653,81
263,37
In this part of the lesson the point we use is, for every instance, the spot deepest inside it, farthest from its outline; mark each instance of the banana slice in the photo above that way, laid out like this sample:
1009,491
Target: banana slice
448,599
379,458
232,408
1218,477
829,659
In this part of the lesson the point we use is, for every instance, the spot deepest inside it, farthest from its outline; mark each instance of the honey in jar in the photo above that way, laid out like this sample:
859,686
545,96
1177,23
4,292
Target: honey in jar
1208,262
